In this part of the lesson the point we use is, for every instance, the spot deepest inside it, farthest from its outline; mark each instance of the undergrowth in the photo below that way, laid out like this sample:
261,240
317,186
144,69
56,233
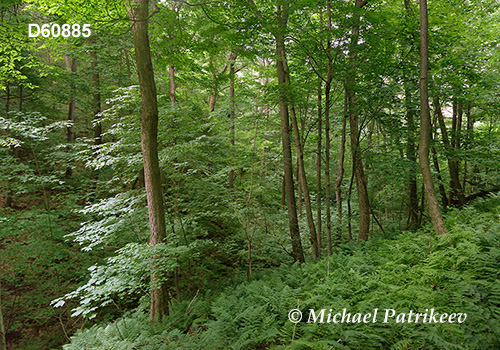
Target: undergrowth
457,273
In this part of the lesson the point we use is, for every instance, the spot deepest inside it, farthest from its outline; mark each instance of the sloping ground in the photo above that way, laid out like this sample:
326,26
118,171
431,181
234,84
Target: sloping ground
37,265
456,274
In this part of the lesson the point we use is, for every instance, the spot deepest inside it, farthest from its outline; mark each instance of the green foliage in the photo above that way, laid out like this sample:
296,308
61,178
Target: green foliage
38,265
414,271
218,236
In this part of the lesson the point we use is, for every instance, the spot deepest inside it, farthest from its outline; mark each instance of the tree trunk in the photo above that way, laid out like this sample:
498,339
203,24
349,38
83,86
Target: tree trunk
425,125
7,100
97,99
299,194
149,143
442,191
470,128
171,73
328,88
412,158
361,185
71,65
303,180
318,168
300,164
21,100
8,194
298,252
232,113
456,187
340,174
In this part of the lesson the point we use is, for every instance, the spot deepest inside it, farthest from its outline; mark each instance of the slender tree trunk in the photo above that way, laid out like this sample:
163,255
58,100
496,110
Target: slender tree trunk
456,187
349,211
303,183
149,144
458,129
171,73
300,165
318,167
299,192
412,158
21,100
71,65
442,191
8,194
283,194
7,100
298,252
340,174
328,88
97,99
361,185
232,113
470,127
425,125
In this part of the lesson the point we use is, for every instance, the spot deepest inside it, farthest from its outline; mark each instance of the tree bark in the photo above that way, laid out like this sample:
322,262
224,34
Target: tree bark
456,187
328,88
149,143
412,159
340,174
71,65
300,163
361,185
8,194
470,128
318,167
442,191
425,126
171,73
21,100
215,87
298,252
7,100
97,99
232,112
302,177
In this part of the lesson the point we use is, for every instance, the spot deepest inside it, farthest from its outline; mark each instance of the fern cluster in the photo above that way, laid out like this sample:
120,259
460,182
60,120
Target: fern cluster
414,271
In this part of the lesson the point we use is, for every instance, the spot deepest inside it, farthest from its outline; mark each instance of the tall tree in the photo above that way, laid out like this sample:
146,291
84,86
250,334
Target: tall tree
139,16
328,102
318,166
232,112
412,158
282,18
97,98
450,147
350,86
411,154
71,65
425,125
340,173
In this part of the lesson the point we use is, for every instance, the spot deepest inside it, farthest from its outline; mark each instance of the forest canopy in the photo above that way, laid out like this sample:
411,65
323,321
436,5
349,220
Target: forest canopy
215,174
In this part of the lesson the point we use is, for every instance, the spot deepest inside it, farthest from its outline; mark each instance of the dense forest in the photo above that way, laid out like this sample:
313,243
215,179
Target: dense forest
249,174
